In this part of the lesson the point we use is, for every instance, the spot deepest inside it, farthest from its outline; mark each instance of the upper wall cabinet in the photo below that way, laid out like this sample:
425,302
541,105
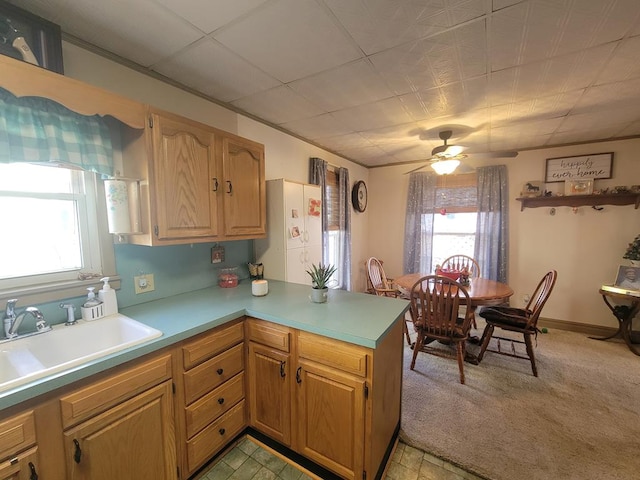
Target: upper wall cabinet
185,177
199,184
245,209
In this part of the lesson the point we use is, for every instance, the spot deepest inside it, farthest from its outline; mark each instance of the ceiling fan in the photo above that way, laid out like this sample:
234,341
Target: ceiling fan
445,158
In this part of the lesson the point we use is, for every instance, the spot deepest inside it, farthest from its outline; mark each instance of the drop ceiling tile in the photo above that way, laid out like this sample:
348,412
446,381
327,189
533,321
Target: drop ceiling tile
441,59
377,25
549,106
624,63
373,115
344,142
139,31
346,86
560,74
278,105
322,126
213,70
592,121
453,99
221,11
290,39
621,94
368,155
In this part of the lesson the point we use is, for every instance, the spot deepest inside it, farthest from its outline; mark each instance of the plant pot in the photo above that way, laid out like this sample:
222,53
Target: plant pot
319,295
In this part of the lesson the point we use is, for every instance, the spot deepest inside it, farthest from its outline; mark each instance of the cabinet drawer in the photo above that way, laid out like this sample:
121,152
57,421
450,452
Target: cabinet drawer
104,394
20,466
211,406
333,353
269,335
209,441
213,373
212,344
16,434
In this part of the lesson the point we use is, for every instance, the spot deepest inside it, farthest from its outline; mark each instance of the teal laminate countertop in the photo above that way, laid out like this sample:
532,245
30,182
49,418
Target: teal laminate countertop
357,318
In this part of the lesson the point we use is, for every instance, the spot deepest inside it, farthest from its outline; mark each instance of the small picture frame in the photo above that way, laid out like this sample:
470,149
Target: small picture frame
30,38
578,187
628,277
532,188
295,232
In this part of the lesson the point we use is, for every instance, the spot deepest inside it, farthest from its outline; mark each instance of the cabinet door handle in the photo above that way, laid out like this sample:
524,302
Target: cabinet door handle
222,431
77,455
230,191
282,372
220,371
298,377
215,184
34,474
221,401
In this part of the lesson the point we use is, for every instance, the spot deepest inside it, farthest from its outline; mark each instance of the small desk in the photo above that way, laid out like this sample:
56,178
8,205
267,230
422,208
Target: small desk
624,314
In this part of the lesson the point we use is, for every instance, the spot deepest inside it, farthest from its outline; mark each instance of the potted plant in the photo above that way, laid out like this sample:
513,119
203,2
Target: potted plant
320,276
633,252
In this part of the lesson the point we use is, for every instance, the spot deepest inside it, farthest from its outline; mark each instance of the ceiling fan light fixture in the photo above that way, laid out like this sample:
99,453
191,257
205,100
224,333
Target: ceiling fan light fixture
445,167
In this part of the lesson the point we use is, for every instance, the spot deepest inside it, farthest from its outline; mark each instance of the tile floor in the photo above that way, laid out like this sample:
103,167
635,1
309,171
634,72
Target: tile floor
249,461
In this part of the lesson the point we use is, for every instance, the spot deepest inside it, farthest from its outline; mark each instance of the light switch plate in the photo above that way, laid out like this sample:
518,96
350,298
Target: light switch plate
144,283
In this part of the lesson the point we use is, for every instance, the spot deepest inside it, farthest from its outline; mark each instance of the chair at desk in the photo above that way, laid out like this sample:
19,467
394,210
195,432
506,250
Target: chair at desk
382,286
435,301
520,320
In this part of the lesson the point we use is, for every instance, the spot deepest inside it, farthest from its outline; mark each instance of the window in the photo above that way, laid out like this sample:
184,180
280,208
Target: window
50,228
333,223
454,220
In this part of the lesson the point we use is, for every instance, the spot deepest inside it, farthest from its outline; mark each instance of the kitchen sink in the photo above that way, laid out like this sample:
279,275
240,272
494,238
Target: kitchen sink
24,360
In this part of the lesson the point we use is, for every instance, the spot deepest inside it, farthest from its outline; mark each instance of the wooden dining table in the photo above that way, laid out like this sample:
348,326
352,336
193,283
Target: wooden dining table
482,292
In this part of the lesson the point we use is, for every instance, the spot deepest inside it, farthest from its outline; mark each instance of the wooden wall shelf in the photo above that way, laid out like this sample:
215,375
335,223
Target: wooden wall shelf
580,200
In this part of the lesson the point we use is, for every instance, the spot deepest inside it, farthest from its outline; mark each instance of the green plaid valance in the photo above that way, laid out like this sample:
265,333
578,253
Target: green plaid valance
37,130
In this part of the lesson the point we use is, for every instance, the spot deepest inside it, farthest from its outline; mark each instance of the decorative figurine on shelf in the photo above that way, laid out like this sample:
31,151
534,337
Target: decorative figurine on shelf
633,252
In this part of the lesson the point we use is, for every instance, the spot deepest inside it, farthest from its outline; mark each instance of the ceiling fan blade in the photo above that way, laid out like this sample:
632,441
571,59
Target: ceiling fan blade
502,154
417,169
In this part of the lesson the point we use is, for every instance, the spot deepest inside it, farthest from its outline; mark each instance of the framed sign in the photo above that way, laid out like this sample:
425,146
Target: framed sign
578,167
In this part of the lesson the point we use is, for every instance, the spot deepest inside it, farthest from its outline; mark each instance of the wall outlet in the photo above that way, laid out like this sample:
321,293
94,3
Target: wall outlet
525,298
144,283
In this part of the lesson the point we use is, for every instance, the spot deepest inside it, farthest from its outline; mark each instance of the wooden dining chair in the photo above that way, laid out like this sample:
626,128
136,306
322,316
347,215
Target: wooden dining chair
462,262
435,303
383,287
519,320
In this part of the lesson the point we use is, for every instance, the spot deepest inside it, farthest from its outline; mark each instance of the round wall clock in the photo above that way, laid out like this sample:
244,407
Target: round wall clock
359,196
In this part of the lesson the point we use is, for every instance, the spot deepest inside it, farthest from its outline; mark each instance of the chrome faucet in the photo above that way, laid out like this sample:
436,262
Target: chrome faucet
12,321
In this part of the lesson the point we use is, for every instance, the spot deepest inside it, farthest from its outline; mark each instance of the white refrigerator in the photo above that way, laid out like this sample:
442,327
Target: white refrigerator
294,231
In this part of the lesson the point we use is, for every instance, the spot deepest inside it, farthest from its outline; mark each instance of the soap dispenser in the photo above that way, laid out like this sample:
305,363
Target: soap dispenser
92,308
108,297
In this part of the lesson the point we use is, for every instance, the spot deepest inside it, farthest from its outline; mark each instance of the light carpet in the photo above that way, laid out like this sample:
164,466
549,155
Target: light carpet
580,419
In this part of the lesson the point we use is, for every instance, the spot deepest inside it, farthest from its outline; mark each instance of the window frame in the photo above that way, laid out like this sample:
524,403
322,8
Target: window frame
94,233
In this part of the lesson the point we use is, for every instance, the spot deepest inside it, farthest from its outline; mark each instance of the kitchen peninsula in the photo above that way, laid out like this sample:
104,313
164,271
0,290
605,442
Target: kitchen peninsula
322,380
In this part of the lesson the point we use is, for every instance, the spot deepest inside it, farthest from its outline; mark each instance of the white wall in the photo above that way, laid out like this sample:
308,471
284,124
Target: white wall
285,156
584,247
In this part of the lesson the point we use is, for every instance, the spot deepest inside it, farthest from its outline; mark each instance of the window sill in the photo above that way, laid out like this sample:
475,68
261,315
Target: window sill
53,292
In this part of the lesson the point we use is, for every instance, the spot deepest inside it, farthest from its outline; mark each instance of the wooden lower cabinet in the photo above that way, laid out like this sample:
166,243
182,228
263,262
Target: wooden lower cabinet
270,387
210,394
331,412
135,439
22,466
339,401
18,449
